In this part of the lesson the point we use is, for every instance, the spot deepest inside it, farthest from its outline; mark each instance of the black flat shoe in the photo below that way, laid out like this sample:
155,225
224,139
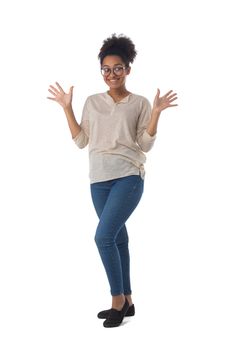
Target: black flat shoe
104,314
116,317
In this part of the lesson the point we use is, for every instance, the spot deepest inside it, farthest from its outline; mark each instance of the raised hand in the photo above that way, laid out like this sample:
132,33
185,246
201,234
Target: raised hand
64,99
163,102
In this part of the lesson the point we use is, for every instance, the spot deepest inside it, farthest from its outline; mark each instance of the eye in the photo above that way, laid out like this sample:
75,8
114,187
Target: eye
118,69
105,70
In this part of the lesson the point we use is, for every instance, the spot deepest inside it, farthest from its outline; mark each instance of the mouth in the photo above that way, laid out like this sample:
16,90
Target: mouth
113,80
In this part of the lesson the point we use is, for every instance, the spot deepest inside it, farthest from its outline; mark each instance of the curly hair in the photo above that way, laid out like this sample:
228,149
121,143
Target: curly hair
119,45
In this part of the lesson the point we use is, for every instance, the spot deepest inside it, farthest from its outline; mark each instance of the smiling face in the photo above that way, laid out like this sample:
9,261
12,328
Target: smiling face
116,77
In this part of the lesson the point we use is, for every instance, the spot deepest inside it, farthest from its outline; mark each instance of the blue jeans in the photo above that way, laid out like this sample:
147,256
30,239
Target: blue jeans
114,202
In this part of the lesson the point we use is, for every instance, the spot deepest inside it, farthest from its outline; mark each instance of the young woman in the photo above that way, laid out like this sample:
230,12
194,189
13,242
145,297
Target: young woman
119,126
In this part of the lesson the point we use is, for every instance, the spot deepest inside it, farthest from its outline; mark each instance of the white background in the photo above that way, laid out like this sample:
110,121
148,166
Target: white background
52,280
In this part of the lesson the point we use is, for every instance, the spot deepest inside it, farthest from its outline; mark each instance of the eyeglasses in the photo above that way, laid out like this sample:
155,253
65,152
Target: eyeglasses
117,70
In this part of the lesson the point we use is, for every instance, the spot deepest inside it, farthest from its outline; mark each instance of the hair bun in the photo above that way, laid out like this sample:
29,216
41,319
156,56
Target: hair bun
120,45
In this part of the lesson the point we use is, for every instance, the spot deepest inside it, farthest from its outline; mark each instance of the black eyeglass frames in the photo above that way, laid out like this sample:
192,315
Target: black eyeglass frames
117,70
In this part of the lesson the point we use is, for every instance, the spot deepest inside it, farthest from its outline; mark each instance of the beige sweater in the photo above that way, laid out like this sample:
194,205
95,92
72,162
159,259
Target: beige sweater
117,136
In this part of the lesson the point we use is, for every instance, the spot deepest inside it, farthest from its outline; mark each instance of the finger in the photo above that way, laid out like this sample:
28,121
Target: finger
60,88
173,95
71,90
52,92
168,93
51,98
158,92
173,99
54,89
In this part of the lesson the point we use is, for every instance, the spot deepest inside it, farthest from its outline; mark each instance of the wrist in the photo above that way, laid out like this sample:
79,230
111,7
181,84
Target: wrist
67,108
155,113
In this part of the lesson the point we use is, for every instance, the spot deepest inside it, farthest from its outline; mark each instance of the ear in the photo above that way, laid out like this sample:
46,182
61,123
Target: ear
128,70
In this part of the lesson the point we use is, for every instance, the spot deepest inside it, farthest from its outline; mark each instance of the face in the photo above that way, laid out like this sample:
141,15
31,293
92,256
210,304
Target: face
116,78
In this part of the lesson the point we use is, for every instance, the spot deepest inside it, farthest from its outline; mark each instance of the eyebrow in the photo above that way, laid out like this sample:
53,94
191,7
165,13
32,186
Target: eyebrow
117,64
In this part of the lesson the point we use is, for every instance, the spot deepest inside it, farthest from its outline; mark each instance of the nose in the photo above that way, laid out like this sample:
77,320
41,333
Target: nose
112,74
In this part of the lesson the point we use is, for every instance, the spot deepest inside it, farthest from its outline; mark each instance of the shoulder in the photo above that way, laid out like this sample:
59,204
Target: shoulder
142,100
96,96
94,99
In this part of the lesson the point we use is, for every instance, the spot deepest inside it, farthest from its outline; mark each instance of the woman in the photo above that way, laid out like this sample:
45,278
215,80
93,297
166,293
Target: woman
119,127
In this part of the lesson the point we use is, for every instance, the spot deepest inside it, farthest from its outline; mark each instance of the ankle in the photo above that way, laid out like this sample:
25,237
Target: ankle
118,302
129,298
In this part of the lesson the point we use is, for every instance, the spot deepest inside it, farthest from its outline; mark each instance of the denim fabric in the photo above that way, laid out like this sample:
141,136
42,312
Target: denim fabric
114,202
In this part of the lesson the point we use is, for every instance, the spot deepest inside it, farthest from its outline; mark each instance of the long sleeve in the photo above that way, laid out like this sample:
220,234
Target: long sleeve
82,139
116,135
144,140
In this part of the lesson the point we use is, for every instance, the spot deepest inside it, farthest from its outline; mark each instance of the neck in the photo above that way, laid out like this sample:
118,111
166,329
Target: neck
118,92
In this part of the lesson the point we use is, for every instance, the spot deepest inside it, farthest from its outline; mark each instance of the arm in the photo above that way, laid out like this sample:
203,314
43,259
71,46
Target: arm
160,103
65,100
143,138
75,128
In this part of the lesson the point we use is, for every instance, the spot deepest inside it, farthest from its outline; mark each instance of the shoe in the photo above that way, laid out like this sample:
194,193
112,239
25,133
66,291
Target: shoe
104,314
115,317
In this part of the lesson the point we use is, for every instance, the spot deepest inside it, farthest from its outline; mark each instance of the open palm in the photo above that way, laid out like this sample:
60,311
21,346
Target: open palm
163,102
59,95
